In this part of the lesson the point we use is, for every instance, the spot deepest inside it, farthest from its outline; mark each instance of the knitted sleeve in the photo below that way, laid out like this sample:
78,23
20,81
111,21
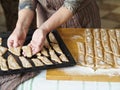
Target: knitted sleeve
30,4
72,5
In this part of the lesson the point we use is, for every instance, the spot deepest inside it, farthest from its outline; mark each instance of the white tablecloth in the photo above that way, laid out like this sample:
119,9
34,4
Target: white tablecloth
40,83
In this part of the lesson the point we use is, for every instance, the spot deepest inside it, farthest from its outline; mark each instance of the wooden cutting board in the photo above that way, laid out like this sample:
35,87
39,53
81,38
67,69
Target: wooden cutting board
70,37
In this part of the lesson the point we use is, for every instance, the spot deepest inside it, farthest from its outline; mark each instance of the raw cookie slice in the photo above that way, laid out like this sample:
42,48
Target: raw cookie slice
56,48
27,50
96,34
46,43
88,39
88,36
105,41
25,62
88,32
81,53
63,58
38,54
117,62
81,59
98,53
37,62
52,38
101,64
15,51
2,50
81,47
108,58
12,63
45,60
89,49
97,43
3,64
89,61
44,52
53,56
112,34
115,47
118,37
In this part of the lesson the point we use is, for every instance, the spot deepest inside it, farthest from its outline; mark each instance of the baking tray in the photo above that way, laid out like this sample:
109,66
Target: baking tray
63,47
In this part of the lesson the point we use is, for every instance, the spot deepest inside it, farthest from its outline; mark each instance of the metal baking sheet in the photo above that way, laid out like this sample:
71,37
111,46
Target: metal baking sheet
63,47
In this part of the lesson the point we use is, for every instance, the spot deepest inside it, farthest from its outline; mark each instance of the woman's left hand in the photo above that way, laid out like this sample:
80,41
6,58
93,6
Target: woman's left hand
37,41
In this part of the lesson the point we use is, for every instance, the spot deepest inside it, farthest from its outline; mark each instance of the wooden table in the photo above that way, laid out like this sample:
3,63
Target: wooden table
70,36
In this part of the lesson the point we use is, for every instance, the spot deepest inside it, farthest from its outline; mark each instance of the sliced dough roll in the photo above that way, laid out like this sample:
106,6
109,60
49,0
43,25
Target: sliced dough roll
96,33
89,49
25,62
52,38
12,63
44,52
27,50
2,50
45,60
105,41
108,58
115,47
98,44
81,59
117,61
37,62
53,56
118,37
112,34
38,54
88,32
63,58
81,47
100,63
15,51
56,48
89,61
46,43
3,64
98,53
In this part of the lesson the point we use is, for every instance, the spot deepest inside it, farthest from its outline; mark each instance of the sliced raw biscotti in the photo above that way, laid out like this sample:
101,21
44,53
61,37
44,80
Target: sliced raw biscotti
12,63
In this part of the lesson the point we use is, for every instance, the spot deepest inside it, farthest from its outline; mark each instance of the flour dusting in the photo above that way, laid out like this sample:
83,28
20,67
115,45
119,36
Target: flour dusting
79,70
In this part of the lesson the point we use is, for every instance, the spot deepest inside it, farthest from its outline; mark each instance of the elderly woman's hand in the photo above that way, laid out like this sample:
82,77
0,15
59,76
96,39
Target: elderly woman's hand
37,41
17,38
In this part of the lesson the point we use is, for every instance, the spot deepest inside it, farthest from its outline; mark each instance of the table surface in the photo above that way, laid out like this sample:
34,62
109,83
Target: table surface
70,37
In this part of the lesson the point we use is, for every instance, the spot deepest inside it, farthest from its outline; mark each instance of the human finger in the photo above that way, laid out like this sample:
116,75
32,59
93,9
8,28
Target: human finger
34,47
15,44
10,43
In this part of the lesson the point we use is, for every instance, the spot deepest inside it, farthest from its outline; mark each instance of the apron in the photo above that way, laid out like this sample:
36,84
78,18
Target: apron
87,15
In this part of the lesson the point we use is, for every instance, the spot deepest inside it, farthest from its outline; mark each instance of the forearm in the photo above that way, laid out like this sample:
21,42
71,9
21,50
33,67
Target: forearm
25,17
60,17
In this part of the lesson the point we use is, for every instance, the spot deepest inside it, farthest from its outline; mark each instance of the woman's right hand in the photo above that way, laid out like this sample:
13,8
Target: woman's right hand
17,38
